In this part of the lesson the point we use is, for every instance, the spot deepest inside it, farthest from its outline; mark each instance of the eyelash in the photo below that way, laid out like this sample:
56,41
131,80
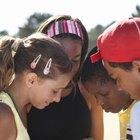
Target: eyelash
104,94
75,61
55,92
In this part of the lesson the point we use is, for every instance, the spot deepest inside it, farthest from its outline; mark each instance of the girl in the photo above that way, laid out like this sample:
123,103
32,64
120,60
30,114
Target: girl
40,76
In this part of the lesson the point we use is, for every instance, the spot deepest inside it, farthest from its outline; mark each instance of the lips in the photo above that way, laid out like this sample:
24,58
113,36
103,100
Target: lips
107,109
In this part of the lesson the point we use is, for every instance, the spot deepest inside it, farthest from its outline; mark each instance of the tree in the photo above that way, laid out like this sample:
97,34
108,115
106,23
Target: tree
33,22
4,32
137,14
93,34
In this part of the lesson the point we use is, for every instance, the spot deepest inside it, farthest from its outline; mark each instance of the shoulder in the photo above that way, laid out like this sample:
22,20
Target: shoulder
5,109
134,120
6,117
135,113
136,108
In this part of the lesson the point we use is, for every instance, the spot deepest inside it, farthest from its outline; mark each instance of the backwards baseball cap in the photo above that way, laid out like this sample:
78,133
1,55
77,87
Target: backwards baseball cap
120,42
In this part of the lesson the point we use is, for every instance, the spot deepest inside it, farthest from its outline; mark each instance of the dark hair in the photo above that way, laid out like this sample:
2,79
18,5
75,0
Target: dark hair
46,25
124,66
94,72
27,51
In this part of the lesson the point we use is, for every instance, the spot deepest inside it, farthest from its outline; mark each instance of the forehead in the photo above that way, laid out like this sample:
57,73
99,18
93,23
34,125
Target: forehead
111,70
107,66
115,71
97,88
71,45
60,82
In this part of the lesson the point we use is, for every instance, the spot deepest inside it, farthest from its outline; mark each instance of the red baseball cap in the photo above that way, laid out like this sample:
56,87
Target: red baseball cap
120,42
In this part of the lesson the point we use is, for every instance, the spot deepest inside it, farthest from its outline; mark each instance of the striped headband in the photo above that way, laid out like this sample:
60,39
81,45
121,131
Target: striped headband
65,26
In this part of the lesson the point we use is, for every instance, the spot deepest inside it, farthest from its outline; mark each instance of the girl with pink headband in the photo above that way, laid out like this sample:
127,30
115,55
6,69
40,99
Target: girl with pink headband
77,116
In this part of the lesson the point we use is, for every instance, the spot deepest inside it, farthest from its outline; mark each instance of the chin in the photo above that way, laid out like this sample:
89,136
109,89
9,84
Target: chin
115,111
111,110
41,107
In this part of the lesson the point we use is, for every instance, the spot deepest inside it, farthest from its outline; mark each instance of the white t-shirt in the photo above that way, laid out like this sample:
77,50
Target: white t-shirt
135,121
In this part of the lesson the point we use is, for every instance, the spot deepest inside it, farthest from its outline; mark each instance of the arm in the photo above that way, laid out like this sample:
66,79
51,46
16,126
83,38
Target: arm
97,131
6,122
135,121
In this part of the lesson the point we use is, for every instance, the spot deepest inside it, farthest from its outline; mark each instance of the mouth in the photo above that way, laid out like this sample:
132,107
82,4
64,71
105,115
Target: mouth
132,96
107,109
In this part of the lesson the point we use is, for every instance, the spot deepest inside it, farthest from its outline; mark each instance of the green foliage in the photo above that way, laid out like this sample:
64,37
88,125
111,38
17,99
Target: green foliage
4,32
93,34
137,14
33,22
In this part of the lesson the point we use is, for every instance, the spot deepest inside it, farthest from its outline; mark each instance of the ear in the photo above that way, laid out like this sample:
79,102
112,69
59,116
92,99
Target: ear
31,79
136,64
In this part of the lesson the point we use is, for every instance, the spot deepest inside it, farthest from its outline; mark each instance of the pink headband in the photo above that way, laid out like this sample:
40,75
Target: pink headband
65,26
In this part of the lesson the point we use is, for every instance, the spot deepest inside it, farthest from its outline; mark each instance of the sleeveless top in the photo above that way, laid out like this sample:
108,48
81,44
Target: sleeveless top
21,130
124,118
67,120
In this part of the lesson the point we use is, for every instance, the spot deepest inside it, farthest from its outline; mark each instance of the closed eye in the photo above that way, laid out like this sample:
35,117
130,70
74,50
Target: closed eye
102,93
55,92
75,60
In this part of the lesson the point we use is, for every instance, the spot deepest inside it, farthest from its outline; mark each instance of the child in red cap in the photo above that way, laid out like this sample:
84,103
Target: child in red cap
119,47
98,83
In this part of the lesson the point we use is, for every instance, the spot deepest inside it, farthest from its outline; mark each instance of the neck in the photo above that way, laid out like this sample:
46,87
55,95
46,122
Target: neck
130,101
18,94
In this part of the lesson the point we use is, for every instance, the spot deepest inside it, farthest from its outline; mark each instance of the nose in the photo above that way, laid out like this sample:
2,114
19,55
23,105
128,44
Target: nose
57,97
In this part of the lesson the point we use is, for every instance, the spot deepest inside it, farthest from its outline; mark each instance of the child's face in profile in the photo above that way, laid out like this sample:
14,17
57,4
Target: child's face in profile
108,96
127,80
45,91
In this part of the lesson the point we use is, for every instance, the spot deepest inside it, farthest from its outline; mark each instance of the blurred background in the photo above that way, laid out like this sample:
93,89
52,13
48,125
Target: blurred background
20,18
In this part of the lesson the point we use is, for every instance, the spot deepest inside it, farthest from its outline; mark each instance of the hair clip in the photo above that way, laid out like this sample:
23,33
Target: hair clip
35,61
47,67
95,57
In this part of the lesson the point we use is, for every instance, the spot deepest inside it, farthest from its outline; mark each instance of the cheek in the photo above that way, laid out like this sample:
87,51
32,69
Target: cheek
121,83
127,84
46,93
75,68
